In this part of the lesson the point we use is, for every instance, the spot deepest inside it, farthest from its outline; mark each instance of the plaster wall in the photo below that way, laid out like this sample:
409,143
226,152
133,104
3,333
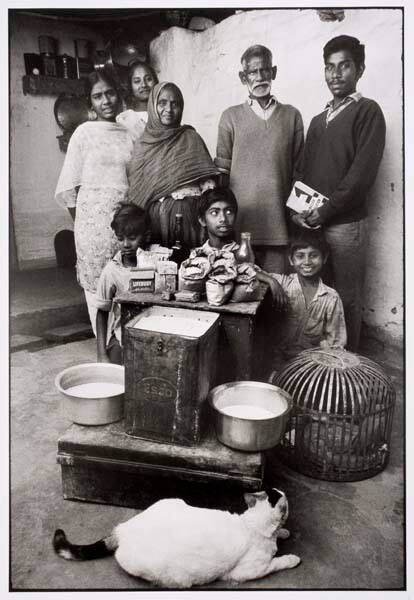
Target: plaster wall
205,65
35,157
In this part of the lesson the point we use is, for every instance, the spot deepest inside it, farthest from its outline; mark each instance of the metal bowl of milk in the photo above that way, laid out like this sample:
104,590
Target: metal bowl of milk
250,415
93,393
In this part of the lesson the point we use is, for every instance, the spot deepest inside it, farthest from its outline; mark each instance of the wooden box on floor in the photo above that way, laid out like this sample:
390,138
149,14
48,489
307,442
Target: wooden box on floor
168,373
103,464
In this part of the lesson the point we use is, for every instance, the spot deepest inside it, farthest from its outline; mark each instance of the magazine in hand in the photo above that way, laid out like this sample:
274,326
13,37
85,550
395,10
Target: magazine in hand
302,197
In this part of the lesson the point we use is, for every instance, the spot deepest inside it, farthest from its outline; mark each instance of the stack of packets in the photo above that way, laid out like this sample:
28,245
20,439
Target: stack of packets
217,274
154,271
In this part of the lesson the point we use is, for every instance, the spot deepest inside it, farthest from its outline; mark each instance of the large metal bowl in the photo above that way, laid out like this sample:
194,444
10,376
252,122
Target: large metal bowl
89,409
250,434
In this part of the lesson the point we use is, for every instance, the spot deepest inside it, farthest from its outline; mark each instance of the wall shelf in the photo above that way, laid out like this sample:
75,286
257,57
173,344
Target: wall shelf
52,86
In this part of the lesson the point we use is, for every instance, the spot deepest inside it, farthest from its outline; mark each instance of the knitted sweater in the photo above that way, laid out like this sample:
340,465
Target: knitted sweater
263,158
341,159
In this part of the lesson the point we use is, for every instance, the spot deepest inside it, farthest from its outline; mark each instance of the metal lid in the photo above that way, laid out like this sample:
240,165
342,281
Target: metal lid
70,111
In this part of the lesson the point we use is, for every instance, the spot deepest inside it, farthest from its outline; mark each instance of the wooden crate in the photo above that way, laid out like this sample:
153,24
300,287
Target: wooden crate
168,376
103,464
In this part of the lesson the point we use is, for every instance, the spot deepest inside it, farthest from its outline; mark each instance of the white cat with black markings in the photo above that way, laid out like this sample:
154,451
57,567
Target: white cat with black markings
175,545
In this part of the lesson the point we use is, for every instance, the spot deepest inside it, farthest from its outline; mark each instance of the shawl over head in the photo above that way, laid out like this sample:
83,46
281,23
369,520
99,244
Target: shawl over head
166,158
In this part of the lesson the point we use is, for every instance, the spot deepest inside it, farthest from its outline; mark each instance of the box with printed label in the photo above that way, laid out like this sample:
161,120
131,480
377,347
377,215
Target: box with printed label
170,359
142,280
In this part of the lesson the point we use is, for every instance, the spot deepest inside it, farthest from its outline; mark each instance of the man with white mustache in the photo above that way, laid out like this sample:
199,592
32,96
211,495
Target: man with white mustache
259,149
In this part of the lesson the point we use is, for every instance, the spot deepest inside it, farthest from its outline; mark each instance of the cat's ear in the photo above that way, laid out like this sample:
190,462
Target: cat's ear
274,495
251,499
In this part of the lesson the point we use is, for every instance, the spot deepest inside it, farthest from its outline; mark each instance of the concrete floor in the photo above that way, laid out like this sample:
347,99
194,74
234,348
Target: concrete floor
44,299
350,536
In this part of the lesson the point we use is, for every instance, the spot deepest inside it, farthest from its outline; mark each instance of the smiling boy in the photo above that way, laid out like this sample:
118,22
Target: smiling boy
343,151
259,148
314,315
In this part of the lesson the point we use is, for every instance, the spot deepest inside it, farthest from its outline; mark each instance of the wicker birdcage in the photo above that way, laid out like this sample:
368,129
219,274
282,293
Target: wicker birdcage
340,426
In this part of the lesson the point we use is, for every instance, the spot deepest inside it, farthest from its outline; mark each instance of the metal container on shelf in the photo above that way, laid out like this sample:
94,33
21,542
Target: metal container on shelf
32,63
82,48
66,66
47,45
49,65
170,358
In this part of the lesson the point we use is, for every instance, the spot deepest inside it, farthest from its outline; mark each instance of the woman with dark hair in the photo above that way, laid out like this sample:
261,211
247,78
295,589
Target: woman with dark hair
170,168
141,80
93,181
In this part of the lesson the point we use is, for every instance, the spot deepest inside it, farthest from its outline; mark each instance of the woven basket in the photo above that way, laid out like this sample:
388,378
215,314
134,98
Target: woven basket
340,426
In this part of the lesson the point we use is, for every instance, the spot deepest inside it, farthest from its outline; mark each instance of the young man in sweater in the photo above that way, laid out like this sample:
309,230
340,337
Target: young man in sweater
343,151
259,147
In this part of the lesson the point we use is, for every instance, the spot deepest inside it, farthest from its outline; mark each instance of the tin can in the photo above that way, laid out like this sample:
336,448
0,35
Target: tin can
81,48
47,45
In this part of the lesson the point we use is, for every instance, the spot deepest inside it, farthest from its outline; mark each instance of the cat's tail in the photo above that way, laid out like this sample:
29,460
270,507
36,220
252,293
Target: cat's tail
100,549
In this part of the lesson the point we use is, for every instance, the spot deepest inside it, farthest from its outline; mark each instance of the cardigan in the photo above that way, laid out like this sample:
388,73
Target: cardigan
263,159
341,159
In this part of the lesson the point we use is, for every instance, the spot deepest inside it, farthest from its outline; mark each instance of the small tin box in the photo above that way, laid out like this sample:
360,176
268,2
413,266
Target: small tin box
142,280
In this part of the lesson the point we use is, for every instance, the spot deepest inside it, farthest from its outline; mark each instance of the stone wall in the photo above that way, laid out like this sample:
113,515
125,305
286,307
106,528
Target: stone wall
35,157
205,65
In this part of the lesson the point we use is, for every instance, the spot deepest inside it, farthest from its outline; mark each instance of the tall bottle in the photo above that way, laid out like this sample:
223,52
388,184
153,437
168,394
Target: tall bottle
180,251
245,252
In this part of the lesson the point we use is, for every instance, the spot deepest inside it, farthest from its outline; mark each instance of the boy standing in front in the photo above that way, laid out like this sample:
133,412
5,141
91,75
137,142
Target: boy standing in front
315,315
129,224
259,146
343,151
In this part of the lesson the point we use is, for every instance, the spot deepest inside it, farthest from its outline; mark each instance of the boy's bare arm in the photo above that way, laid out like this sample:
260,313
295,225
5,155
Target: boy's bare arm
101,330
279,297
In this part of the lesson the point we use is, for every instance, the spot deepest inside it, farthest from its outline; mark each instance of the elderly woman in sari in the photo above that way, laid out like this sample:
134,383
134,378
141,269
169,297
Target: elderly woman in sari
93,181
170,168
